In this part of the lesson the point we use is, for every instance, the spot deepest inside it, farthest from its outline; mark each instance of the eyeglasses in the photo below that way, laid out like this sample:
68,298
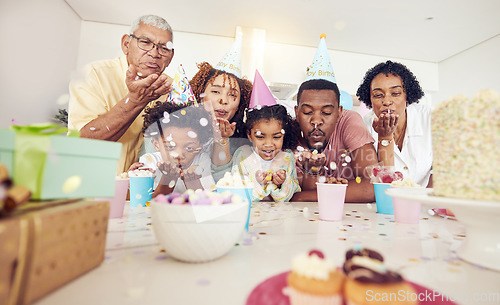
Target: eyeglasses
148,45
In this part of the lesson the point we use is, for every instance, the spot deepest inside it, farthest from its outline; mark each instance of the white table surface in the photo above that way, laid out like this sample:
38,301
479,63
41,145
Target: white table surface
136,271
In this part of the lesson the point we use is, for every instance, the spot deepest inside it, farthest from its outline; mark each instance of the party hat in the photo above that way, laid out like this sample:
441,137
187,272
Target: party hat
261,95
181,90
321,67
231,62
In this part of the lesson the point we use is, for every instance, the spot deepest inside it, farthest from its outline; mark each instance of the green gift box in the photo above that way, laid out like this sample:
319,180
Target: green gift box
54,166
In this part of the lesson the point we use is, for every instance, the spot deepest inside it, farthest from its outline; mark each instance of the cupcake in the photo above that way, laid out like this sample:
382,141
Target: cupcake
314,280
369,282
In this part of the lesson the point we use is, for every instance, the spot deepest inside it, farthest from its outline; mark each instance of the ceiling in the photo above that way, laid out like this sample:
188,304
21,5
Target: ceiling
425,30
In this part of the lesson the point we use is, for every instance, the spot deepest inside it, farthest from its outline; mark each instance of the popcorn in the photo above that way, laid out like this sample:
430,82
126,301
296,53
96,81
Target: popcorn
140,173
123,175
230,180
406,182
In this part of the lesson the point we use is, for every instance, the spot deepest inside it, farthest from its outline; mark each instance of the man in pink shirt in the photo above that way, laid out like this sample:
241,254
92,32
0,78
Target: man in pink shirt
332,139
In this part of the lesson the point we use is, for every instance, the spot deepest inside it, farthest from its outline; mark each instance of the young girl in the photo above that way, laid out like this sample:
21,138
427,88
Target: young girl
228,95
269,161
178,133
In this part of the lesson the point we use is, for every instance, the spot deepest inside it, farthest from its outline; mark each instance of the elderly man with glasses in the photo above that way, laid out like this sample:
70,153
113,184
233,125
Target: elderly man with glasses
109,102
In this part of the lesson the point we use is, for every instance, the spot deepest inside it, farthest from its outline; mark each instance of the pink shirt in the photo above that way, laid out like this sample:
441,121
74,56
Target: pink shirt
349,135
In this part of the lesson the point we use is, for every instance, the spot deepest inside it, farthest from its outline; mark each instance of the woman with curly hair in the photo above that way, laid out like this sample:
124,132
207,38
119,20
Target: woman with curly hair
228,95
400,125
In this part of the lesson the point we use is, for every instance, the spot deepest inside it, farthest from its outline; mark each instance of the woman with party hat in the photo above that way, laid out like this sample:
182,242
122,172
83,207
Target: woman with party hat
268,161
224,89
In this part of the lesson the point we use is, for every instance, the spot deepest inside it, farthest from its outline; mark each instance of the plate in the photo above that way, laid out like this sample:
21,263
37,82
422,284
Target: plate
269,292
482,244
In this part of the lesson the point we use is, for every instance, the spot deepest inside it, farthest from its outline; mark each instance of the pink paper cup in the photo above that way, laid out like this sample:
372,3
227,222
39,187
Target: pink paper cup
117,203
406,211
331,199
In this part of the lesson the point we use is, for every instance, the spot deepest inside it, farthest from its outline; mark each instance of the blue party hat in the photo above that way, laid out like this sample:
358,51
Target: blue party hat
321,67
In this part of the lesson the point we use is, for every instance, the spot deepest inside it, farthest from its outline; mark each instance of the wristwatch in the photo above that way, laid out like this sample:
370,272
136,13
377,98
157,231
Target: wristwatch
385,142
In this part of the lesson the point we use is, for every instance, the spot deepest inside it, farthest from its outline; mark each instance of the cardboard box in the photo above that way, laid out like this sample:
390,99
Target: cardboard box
43,250
58,166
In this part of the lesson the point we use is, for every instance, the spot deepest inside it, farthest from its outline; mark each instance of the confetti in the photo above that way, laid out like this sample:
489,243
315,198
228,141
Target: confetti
170,46
183,112
322,179
174,154
192,134
258,132
202,95
203,122
222,155
358,180
92,128
171,184
347,159
282,131
126,101
107,128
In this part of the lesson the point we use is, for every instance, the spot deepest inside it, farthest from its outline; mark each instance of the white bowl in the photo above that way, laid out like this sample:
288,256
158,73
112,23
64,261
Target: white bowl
198,233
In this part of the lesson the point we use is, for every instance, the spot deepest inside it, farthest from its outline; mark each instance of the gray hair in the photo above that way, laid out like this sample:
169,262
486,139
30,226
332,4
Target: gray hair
153,20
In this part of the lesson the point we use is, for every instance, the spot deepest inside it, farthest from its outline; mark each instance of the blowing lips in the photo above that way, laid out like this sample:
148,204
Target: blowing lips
221,113
316,135
387,111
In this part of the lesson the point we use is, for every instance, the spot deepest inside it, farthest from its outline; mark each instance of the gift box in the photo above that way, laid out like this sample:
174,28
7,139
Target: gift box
54,166
44,249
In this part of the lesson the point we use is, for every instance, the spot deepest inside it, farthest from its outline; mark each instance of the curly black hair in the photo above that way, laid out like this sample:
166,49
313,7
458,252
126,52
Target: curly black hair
411,85
183,116
207,74
279,113
318,84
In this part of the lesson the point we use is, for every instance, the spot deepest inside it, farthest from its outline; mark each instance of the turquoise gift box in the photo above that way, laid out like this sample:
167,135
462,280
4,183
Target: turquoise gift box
54,166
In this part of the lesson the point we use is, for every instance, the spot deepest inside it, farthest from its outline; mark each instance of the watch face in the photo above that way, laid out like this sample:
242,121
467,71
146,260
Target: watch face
384,142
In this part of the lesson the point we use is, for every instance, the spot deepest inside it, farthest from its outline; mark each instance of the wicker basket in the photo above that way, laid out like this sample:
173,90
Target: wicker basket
47,248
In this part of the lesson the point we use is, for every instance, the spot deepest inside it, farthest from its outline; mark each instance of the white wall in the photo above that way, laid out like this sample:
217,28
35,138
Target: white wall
54,42
282,63
38,51
470,71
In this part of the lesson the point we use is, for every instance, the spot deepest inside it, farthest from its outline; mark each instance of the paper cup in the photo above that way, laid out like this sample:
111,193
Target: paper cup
117,203
406,211
331,198
245,193
141,191
383,201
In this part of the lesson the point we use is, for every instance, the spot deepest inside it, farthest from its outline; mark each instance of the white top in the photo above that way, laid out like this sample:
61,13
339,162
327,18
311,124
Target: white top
415,161
202,159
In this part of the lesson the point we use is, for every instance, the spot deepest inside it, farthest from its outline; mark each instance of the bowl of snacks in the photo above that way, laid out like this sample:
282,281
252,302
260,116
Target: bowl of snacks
198,226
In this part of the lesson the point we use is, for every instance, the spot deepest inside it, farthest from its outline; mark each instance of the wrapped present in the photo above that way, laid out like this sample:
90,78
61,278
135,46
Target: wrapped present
54,166
43,248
